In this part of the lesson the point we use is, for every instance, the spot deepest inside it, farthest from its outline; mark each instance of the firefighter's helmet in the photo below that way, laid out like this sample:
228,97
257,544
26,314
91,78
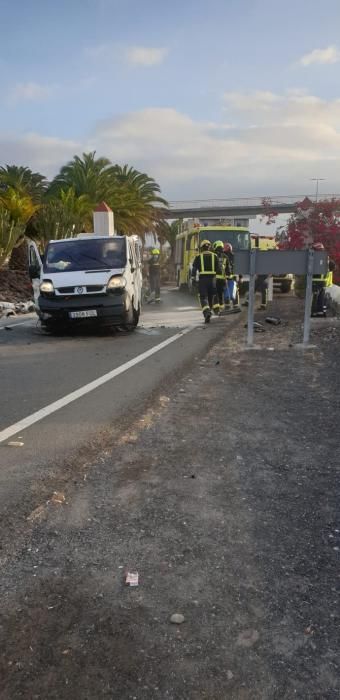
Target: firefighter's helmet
205,245
218,245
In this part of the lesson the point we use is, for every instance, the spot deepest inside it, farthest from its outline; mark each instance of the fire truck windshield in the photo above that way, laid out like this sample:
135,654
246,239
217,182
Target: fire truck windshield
240,240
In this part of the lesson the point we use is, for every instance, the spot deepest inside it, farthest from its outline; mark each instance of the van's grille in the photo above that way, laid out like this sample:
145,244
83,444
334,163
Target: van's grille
94,287
73,290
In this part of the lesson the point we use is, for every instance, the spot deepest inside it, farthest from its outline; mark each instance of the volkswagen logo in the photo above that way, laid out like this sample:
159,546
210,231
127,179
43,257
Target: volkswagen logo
80,290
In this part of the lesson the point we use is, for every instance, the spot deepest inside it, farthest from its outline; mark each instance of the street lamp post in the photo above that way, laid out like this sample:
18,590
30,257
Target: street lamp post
317,180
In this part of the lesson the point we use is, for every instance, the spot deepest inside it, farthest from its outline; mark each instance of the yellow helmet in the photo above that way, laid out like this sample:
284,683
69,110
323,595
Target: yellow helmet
155,251
205,245
218,244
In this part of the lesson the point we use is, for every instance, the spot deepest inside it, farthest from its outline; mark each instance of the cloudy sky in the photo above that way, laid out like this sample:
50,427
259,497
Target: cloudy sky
213,98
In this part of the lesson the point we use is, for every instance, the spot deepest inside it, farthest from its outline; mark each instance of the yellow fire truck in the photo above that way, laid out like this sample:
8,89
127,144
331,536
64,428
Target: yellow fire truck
188,240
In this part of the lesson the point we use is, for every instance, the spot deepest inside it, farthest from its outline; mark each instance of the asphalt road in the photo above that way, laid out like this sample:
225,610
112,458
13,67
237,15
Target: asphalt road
223,495
36,370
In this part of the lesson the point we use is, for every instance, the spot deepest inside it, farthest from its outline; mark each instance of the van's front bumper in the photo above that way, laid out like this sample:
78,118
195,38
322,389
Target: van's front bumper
110,308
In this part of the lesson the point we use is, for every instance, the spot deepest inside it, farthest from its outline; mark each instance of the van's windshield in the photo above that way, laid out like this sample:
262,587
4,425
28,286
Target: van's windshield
92,254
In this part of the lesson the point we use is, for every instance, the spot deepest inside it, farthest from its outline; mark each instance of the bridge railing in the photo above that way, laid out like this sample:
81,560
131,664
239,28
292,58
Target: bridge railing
246,201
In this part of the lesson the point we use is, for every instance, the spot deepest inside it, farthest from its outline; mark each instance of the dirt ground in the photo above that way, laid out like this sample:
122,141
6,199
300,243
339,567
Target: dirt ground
224,496
15,286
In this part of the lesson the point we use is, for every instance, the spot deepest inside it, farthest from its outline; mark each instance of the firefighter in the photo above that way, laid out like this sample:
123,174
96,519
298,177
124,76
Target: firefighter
223,274
231,292
207,265
320,283
154,276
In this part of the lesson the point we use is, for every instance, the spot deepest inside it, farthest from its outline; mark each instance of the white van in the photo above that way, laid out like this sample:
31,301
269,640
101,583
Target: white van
88,278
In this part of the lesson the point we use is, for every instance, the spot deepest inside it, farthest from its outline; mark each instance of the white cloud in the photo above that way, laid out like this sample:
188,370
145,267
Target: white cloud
329,55
29,92
41,153
268,143
143,56
276,142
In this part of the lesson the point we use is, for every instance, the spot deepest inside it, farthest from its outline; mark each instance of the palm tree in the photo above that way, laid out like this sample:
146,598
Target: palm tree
21,191
20,209
146,186
63,217
168,232
133,196
20,206
23,181
87,176
10,232
135,200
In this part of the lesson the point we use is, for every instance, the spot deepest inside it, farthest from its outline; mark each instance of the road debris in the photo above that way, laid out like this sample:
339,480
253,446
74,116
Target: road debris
177,619
58,497
274,320
258,327
7,309
132,579
24,307
36,514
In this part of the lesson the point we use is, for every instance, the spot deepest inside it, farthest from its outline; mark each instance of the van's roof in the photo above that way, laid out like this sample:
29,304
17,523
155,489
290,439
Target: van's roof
84,237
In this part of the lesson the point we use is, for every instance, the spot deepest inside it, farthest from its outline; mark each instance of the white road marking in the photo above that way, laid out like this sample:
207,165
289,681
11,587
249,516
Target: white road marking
13,325
86,389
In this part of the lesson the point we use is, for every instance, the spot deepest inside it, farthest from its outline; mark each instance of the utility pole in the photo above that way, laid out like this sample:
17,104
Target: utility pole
317,180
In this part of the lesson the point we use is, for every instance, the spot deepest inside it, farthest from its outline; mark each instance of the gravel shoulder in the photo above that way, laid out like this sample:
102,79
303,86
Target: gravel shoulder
223,495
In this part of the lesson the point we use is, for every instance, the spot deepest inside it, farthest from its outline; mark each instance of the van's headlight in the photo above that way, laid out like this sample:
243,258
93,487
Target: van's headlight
47,287
117,282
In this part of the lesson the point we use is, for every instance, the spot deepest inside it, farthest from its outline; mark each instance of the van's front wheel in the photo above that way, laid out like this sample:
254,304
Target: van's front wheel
136,315
53,327
132,319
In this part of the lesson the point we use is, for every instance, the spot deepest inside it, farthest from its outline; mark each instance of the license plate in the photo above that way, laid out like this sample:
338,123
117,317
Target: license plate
83,314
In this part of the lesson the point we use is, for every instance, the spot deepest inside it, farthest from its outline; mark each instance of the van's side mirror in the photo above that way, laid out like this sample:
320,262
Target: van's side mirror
34,271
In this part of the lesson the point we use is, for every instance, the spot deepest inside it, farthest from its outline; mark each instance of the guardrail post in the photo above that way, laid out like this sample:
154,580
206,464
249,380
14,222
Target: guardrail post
251,298
308,299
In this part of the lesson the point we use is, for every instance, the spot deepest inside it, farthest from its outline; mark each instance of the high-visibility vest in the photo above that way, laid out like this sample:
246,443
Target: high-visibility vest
221,275
213,257
327,279
154,263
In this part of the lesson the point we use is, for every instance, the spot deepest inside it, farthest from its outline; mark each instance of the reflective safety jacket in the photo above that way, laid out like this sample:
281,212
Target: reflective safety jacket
206,263
327,279
154,263
230,258
225,267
